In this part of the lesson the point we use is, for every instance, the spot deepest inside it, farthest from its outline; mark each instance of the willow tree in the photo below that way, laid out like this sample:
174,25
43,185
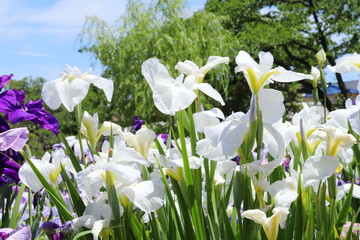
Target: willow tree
167,31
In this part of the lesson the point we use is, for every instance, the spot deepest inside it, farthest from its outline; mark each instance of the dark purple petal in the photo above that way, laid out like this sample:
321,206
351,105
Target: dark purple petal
4,126
14,139
20,115
4,80
137,124
48,122
8,100
165,137
2,183
49,227
14,175
11,165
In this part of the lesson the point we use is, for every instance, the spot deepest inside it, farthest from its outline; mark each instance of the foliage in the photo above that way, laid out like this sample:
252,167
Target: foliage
294,31
166,31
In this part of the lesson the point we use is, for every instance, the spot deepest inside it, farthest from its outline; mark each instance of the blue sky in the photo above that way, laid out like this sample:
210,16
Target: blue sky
38,37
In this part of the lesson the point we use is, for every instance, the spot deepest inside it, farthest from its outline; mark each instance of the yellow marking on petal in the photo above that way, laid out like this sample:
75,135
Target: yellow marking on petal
254,81
315,145
339,168
266,76
308,133
357,65
54,175
91,133
124,201
110,176
172,174
103,176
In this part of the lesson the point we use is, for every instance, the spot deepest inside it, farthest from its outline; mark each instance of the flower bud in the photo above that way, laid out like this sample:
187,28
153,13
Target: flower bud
321,57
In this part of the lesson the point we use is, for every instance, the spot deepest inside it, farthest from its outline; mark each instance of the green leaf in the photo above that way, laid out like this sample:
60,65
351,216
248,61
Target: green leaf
74,160
81,234
343,216
74,195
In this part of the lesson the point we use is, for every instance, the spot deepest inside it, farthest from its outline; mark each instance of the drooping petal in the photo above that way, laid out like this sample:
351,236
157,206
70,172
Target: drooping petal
212,62
28,176
256,215
14,139
24,233
72,93
319,168
271,105
49,94
289,76
207,119
169,98
106,85
210,91
147,195
233,135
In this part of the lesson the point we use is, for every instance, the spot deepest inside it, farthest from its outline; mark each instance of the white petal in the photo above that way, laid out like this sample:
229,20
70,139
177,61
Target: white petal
49,94
106,85
187,67
315,73
319,168
274,141
72,93
28,176
210,91
289,76
154,71
256,215
207,119
147,195
170,99
349,63
212,62
354,120
271,105
356,190
266,62
215,153
244,61
233,135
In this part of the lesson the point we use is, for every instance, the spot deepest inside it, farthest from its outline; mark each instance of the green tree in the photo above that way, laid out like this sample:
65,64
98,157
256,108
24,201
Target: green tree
293,31
166,31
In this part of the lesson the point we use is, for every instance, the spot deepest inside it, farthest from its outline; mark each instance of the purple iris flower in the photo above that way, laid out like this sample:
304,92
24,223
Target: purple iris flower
12,104
286,163
4,80
237,160
11,141
56,232
8,233
137,124
165,137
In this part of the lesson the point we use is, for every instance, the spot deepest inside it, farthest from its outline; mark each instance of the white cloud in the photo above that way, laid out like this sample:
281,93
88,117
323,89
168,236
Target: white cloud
64,18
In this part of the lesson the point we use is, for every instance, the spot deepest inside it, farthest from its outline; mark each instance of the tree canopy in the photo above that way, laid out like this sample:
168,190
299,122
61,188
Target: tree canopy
165,31
294,31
